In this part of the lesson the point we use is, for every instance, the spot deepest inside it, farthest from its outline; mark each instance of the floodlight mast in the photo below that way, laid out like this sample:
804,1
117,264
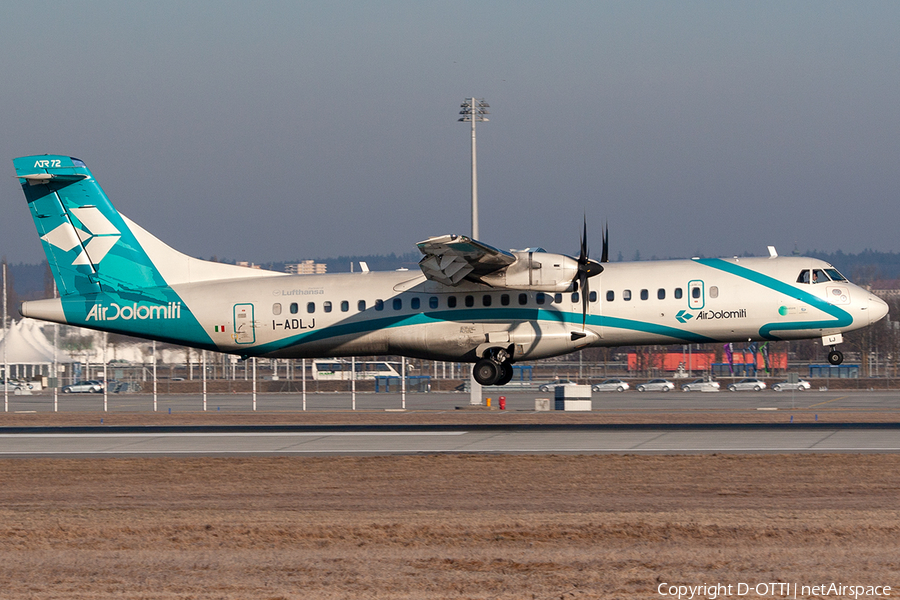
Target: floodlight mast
474,111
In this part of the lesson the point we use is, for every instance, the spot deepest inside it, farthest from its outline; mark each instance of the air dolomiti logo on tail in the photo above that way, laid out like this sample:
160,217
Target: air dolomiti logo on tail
96,236
142,312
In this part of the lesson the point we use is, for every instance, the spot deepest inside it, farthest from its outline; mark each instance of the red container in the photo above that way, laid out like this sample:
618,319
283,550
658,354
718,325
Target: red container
502,402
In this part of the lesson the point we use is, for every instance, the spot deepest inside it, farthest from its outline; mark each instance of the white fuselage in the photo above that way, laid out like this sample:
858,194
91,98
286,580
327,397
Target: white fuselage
404,313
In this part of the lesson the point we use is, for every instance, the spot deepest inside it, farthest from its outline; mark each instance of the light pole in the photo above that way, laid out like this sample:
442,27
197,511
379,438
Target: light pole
473,111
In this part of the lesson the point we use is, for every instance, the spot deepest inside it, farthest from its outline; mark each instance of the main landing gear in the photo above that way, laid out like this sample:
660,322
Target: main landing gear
835,357
494,369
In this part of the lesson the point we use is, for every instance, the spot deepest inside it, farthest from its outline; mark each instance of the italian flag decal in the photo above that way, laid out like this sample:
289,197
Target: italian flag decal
220,328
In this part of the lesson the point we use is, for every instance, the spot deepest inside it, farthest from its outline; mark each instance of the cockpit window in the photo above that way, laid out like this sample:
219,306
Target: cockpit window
803,277
835,275
819,276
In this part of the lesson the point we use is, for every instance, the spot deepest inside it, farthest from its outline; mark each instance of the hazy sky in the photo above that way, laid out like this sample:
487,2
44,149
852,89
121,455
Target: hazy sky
285,130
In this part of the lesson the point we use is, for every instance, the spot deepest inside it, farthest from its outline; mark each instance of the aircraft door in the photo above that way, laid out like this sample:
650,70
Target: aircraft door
244,324
696,299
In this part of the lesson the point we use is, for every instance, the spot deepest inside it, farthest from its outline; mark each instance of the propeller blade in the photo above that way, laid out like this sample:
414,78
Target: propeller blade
604,256
585,292
587,268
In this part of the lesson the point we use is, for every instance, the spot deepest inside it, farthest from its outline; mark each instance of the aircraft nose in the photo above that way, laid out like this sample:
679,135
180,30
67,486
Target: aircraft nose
878,308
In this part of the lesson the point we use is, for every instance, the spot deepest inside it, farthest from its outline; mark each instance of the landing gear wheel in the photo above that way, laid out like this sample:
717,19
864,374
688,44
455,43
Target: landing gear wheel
506,374
487,372
835,357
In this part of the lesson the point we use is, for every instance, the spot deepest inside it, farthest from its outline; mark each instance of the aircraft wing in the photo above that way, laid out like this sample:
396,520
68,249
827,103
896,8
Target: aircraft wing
451,258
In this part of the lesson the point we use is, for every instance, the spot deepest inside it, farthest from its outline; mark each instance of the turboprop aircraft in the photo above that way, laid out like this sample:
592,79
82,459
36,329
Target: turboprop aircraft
471,302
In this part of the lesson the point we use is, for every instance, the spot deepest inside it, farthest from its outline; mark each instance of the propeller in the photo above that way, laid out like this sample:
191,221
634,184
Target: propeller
604,256
587,268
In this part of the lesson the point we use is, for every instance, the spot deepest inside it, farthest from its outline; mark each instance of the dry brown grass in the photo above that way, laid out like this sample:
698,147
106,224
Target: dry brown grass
460,526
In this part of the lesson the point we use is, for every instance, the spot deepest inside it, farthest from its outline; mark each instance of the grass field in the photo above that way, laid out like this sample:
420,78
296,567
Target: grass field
457,526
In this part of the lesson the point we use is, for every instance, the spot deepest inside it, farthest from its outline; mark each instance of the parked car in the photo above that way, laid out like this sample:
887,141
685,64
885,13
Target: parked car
656,385
83,387
610,385
17,384
801,385
748,384
552,385
701,385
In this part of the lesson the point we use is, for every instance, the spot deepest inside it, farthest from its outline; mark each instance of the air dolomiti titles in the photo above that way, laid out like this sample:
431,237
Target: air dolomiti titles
99,312
722,314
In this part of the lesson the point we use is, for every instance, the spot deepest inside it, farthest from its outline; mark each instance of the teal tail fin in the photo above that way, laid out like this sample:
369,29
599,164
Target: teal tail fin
89,246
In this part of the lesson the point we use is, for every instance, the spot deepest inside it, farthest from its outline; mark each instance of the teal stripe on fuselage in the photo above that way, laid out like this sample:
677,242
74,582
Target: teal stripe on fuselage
492,315
842,317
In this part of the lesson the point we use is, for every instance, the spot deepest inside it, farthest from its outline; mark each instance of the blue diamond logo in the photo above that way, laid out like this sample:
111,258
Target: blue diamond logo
683,316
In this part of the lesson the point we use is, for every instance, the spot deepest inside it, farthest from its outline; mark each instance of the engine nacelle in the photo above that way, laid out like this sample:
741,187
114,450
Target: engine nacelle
540,271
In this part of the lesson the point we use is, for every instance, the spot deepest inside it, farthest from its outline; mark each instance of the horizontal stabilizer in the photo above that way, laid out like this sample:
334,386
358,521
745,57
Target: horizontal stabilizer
42,178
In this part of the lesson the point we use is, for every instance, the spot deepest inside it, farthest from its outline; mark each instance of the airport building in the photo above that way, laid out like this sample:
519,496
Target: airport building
306,267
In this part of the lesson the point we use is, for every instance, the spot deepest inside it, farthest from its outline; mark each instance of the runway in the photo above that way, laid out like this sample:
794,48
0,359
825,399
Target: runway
393,440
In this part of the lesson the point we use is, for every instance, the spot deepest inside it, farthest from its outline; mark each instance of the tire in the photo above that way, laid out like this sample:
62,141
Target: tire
665,389
641,388
486,372
66,390
506,374
756,388
835,357
620,389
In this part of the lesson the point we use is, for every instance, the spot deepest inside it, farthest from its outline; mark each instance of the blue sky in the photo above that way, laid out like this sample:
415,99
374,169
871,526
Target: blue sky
286,130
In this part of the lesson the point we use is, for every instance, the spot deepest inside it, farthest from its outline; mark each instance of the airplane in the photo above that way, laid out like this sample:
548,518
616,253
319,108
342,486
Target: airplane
471,302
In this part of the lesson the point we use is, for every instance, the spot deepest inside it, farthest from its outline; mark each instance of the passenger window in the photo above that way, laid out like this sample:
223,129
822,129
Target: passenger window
451,301
610,296
379,304
557,298
644,294
713,291
803,277
310,307
486,300
504,299
433,302
361,305
415,303
398,303
678,293
661,294
626,295
470,301
540,297
695,292
294,308
276,308
592,296
345,306
575,297
523,299
327,305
